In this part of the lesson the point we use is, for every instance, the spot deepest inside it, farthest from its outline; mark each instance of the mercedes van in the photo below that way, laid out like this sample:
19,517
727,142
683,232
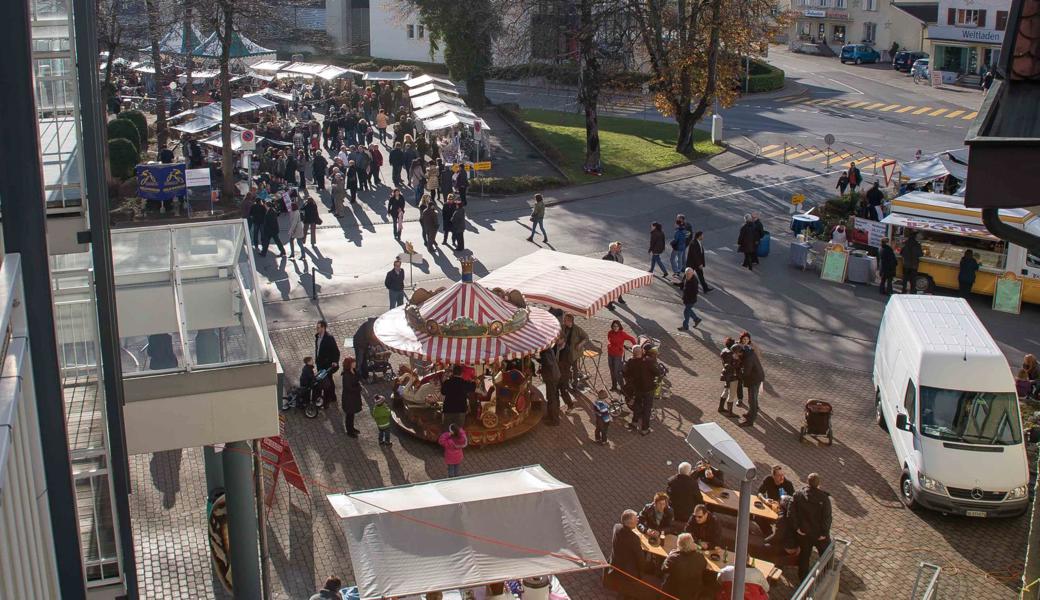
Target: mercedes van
945,393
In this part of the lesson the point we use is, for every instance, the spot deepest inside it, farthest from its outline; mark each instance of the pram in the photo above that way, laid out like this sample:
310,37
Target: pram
310,399
662,385
378,360
817,420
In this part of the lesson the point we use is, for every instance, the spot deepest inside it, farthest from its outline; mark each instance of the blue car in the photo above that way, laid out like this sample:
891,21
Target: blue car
859,54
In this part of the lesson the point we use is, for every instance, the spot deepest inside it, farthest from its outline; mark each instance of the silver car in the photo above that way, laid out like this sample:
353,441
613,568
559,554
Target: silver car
919,69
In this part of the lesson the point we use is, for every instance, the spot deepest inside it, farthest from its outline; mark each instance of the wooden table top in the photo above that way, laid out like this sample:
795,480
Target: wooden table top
728,501
768,569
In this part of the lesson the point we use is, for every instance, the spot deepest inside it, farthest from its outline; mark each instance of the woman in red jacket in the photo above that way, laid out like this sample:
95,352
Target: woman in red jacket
616,353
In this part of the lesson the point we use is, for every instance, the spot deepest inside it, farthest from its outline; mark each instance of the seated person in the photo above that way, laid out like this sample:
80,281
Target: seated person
776,486
656,517
708,475
704,527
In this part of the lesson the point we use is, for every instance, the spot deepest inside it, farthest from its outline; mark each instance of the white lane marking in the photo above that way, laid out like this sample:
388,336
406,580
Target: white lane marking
765,187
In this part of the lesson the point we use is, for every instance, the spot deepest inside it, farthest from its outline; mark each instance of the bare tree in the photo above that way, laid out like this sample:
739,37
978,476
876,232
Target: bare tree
154,33
189,59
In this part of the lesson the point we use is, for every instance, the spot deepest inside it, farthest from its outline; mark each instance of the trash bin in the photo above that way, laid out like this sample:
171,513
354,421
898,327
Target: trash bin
537,588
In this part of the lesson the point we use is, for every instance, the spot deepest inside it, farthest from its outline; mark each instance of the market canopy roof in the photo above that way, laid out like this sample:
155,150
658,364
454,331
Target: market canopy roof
385,76
241,47
433,87
236,140
451,119
441,108
932,168
425,79
328,72
465,532
269,65
575,284
196,125
173,42
434,98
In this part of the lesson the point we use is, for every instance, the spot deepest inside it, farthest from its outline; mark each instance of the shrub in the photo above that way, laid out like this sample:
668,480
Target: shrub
125,129
122,157
764,77
139,121
413,69
365,66
514,185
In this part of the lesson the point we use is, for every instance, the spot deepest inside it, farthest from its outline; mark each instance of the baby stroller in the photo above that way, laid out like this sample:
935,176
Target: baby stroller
817,420
379,364
310,398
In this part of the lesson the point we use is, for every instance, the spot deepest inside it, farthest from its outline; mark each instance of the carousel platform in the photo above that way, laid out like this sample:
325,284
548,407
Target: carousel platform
425,423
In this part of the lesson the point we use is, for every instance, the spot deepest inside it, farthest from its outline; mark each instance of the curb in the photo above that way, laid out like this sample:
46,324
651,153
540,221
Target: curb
509,121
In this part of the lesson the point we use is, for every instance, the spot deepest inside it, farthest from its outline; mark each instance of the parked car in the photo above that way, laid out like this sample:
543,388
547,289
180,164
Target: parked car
920,69
859,54
904,60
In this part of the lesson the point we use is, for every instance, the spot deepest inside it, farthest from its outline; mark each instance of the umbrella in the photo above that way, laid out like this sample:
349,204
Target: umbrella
576,284
466,324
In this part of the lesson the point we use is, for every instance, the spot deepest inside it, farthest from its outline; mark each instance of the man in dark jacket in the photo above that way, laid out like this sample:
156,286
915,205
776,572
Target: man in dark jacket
684,492
326,356
639,374
887,266
746,242
456,391
657,247
784,541
396,160
461,184
270,232
447,212
695,259
657,516
394,283
318,166
684,570
752,376
760,232
704,527
430,222
362,339
627,560
330,591
875,198
310,220
911,253
550,372
774,488
811,515
689,298
256,221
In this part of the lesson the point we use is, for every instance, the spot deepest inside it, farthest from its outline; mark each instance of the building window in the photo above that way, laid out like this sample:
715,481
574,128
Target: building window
840,3
967,17
1001,20
838,34
411,31
422,31
869,32
822,3
870,5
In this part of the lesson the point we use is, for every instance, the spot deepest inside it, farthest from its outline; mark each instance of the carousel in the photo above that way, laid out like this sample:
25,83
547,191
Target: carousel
492,334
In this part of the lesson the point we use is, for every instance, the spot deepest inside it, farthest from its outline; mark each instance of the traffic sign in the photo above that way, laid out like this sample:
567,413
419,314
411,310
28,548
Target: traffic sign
482,166
798,199
248,137
828,139
476,126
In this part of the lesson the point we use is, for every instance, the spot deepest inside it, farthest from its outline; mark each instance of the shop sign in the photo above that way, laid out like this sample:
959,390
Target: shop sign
965,34
836,14
867,232
812,12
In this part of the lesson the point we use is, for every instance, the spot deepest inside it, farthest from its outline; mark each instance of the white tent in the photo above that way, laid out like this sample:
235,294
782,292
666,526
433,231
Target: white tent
385,76
425,79
451,119
269,65
436,110
196,125
577,284
465,532
328,72
434,98
236,139
433,87
931,168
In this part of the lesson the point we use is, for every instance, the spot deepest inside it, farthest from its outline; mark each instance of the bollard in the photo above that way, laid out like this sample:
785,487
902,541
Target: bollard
785,153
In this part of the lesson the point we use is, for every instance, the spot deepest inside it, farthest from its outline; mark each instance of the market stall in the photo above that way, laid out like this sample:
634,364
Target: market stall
465,532
422,80
385,76
576,284
492,335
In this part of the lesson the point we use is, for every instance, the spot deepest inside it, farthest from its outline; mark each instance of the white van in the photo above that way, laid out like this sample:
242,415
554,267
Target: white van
945,393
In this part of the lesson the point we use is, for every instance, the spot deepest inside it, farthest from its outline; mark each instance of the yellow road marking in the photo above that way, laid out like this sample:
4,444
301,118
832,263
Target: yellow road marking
922,110
970,116
890,107
798,154
938,112
905,109
873,106
857,104
769,147
828,102
796,99
954,114
773,153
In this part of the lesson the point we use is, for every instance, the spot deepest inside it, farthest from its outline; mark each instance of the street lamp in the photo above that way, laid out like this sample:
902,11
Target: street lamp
714,445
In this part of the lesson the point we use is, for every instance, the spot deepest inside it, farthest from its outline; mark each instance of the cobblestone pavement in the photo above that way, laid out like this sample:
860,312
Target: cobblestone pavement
888,542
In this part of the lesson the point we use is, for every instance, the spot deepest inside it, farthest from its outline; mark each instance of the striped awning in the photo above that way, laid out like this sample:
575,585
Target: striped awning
469,303
576,284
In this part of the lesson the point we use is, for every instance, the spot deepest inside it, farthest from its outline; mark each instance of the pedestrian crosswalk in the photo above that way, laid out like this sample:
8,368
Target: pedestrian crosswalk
880,107
823,157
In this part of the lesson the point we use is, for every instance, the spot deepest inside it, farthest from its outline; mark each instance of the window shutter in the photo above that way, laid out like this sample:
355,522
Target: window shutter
953,16
1001,23
982,18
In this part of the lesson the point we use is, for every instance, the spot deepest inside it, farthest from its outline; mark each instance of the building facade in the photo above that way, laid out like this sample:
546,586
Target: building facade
834,23
966,39
379,28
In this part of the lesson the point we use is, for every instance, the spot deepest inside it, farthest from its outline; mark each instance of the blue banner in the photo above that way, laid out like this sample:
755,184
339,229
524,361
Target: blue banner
160,182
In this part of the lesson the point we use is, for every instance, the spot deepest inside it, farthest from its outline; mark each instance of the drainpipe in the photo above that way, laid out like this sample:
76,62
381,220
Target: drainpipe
1019,237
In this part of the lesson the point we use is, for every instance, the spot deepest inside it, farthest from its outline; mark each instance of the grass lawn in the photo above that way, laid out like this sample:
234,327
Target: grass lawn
629,146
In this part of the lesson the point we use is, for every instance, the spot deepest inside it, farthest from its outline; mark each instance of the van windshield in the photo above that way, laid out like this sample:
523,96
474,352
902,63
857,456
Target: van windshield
970,417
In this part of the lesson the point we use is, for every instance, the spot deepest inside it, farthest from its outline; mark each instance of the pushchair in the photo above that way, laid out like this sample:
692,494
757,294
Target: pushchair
817,420
310,399
378,361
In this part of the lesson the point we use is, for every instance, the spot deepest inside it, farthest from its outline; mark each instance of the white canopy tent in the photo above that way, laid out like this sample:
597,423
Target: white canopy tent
196,125
433,98
465,532
451,119
441,108
425,79
931,168
269,65
236,139
433,87
200,76
576,284
385,76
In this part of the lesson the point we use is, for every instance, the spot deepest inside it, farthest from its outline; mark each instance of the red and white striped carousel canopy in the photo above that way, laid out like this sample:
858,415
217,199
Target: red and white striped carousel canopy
466,324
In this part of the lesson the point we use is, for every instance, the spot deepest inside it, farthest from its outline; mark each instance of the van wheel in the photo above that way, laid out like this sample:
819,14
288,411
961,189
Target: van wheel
906,491
878,412
859,61
924,283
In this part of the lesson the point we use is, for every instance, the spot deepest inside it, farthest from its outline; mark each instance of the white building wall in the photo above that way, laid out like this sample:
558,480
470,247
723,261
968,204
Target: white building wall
875,22
398,35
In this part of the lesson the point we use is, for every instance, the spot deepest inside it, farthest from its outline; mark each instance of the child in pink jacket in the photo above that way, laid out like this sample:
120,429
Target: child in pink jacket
453,440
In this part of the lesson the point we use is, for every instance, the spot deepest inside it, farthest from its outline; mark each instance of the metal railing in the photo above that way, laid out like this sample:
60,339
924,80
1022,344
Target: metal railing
27,565
926,584
831,155
822,581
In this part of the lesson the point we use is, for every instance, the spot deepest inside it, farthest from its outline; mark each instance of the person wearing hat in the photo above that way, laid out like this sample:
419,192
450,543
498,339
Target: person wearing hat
602,421
381,415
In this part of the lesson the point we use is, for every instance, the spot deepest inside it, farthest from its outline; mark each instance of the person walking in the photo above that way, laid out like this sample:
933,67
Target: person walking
549,369
296,229
752,376
458,226
811,516
429,220
339,194
855,179
684,569
747,244
396,159
573,340
381,415
433,184
911,253
695,259
616,338
376,164
461,184
680,239
966,273
657,248
689,298
326,357
318,168
351,395
639,375
447,212
843,183
887,263
395,209
394,282
257,212
270,232
730,376
538,219
453,441
381,123
353,180
875,201
614,254
417,176
311,219
760,233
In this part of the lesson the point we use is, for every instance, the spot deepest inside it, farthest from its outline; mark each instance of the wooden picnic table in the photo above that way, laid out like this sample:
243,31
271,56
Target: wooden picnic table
728,501
715,564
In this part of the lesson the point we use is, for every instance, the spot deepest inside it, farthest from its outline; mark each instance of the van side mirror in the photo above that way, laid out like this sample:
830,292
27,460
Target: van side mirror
903,423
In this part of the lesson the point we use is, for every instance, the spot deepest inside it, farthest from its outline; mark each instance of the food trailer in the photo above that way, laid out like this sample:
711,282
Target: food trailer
946,228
